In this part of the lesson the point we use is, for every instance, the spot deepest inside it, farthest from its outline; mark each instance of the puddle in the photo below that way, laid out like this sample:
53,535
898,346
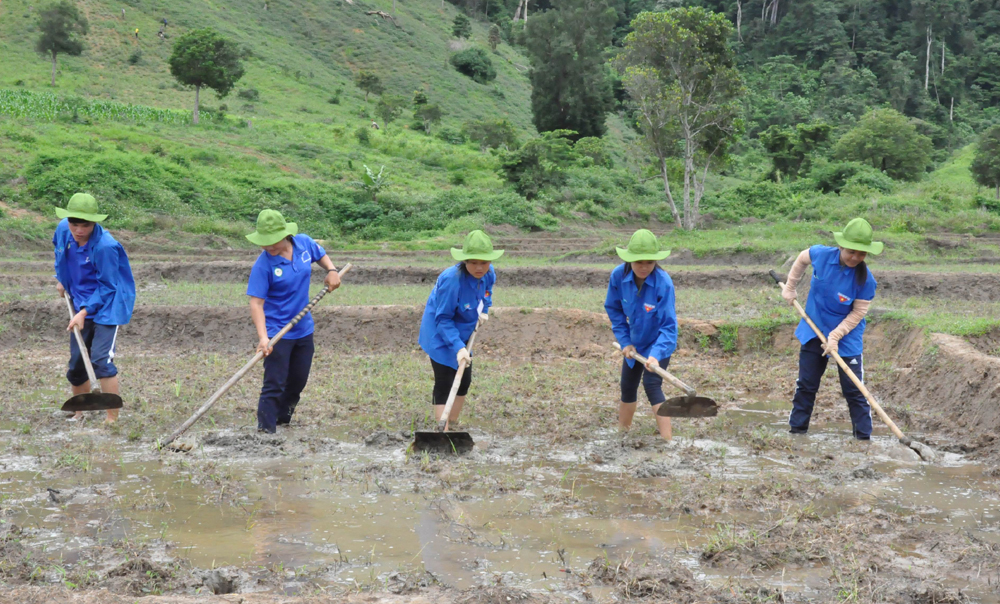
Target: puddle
519,513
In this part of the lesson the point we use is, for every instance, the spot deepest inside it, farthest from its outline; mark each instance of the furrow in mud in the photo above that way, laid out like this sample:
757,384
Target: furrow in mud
963,286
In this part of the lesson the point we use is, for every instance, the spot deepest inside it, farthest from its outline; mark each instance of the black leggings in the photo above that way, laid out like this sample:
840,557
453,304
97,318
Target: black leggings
653,383
444,378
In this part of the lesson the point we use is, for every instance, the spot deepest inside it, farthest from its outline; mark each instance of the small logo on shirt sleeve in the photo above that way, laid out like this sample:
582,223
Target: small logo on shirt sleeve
277,272
487,293
649,307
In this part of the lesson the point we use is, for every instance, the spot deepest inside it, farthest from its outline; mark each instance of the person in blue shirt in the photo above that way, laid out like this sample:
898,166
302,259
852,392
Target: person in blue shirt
458,304
279,290
93,270
840,295
640,304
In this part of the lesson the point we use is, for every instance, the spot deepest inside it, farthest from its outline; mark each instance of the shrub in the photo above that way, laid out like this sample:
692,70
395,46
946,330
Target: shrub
540,163
490,134
362,134
832,177
475,63
451,136
250,94
753,200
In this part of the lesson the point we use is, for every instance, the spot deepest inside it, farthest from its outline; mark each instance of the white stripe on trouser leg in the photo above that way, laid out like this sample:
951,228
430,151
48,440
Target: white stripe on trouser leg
862,394
114,340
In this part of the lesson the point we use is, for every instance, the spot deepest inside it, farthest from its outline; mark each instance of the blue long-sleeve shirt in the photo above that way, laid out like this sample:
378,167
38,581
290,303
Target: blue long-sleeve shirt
452,312
646,319
97,275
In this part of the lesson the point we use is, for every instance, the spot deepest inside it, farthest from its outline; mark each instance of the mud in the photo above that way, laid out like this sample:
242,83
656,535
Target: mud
512,331
982,287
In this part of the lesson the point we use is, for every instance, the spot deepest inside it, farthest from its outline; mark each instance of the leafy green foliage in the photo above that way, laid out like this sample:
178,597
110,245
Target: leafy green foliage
389,108
461,27
596,149
374,183
680,72
833,177
490,134
887,141
761,200
204,58
791,148
986,165
571,89
475,63
539,163
61,26
493,37
428,115
369,83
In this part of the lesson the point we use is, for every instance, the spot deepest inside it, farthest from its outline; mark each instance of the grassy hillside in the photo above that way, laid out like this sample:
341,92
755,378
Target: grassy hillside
116,125
303,52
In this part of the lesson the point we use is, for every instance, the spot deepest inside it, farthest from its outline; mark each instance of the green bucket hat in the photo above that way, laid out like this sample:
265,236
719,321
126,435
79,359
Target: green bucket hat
857,235
477,246
642,246
271,228
81,206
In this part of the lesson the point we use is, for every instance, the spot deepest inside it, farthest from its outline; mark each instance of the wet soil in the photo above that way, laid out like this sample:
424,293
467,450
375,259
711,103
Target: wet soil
552,505
960,286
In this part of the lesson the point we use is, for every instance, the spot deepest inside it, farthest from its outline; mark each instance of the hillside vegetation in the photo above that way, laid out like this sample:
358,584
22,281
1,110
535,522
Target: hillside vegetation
295,135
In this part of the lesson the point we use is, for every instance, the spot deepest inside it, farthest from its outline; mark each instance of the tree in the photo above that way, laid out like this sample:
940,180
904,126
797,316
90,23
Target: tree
570,87
428,114
60,24
539,163
791,148
680,72
369,83
491,134
388,108
494,37
461,27
986,165
202,57
475,63
887,141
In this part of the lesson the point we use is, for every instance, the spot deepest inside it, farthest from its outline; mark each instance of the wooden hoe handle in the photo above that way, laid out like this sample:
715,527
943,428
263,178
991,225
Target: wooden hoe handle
663,373
854,378
95,384
243,370
443,422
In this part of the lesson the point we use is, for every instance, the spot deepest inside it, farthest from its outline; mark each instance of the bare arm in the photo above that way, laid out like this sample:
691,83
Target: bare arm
332,280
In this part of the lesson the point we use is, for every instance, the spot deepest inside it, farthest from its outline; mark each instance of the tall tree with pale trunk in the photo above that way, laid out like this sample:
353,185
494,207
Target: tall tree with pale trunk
679,70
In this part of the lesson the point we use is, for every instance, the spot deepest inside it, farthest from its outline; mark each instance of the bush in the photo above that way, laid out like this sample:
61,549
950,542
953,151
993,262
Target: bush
886,140
490,134
451,136
475,63
364,137
250,94
135,57
832,177
593,147
540,163
753,200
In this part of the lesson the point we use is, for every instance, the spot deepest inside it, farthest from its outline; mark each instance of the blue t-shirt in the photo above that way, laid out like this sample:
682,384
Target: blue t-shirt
832,292
452,312
645,319
82,272
284,286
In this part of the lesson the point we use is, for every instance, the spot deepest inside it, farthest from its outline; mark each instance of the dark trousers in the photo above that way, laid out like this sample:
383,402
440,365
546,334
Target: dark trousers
812,365
100,342
286,371
651,382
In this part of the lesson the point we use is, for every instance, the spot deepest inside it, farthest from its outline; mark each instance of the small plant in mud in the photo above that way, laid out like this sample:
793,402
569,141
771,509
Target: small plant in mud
729,337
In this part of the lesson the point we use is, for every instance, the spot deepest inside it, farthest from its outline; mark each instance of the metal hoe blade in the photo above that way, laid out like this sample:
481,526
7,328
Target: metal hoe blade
93,401
689,406
443,442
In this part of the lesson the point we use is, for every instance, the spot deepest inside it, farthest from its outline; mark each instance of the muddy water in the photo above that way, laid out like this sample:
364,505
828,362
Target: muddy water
520,513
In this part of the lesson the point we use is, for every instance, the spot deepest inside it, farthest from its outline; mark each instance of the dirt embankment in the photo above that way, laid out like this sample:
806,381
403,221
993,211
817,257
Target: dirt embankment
966,286
513,332
957,387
